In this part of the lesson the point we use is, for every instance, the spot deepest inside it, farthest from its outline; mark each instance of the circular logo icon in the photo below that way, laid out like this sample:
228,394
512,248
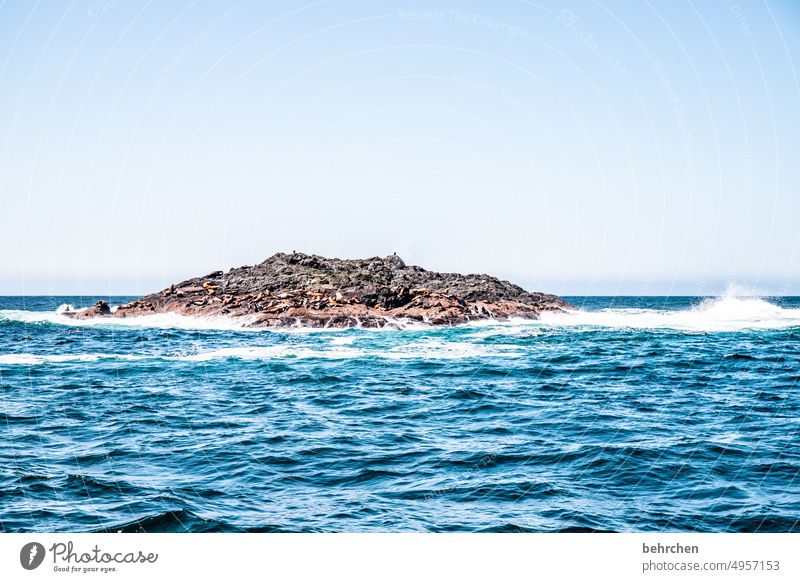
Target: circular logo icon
31,555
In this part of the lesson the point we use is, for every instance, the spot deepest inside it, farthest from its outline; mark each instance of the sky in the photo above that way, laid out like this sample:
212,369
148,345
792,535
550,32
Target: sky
633,148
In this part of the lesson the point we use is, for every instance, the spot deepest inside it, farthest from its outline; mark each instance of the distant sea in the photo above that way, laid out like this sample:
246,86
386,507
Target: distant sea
630,414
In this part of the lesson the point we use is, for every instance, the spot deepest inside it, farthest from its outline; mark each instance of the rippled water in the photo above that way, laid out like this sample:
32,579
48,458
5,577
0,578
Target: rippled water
631,414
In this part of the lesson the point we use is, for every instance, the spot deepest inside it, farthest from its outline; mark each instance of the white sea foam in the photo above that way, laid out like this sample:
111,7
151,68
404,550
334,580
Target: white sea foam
37,359
273,353
158,320
428,350
447,350
727,313
178,321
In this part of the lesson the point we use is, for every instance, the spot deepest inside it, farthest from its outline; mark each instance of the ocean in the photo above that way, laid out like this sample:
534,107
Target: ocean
630,414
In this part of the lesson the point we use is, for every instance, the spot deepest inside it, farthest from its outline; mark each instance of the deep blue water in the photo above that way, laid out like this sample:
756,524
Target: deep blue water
633,414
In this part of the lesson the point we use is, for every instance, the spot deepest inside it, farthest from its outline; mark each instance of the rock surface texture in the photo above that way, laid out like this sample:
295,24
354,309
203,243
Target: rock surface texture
309,290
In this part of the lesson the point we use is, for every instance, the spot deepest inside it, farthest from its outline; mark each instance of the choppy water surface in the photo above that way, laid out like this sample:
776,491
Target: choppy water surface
627,415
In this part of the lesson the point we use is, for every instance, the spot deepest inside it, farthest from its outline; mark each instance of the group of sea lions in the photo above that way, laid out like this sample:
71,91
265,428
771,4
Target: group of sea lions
310,290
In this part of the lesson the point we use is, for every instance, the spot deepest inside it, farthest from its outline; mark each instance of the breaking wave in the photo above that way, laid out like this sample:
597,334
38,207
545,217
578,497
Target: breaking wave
36,359
171,321
158,321
727,313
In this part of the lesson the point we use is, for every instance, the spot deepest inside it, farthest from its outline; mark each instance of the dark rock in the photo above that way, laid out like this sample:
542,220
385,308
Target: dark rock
395,262
291,289
99,309
102,308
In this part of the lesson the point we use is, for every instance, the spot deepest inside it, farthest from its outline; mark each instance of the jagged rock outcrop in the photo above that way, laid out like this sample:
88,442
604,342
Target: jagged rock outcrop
300,289
99,309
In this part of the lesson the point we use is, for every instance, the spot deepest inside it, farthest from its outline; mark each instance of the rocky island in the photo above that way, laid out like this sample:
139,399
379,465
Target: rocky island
310,290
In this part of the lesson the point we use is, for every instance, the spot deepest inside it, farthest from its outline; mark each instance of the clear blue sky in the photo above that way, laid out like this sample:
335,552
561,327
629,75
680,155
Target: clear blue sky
576,147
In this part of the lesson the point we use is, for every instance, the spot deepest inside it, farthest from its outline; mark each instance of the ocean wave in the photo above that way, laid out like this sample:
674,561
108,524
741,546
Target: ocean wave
158,320
37,359
450,350
272,353
170,521
426,350
727,313
179,321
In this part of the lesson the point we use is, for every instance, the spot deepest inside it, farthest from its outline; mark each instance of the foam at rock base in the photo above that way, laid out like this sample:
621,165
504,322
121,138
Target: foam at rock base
727,313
